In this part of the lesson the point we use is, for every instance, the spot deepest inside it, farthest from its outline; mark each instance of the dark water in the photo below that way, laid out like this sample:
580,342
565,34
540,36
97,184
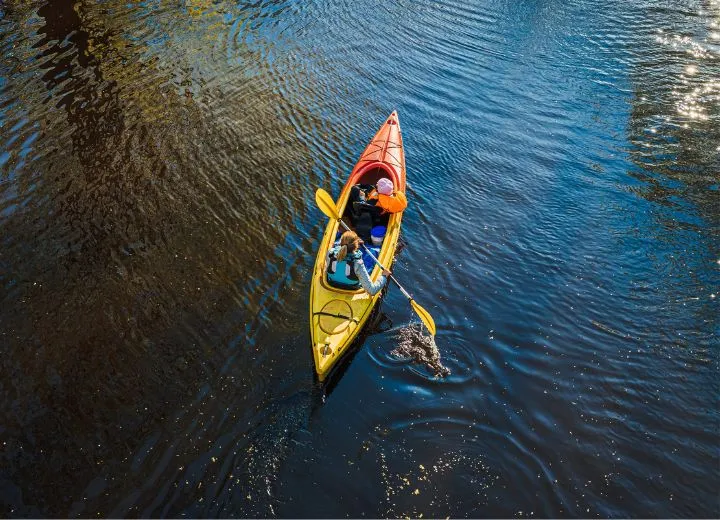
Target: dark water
157,168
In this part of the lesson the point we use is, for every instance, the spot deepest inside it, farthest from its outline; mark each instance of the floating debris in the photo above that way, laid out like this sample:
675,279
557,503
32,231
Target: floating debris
413,343
609,330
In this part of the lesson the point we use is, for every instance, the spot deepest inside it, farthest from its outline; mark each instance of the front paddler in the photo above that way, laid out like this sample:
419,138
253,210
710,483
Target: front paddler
387,197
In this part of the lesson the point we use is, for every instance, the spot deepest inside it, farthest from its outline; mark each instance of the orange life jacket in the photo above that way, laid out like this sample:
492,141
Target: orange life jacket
394,203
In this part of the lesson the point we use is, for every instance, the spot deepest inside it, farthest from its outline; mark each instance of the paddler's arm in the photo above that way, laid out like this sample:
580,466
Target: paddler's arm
364,278
401,201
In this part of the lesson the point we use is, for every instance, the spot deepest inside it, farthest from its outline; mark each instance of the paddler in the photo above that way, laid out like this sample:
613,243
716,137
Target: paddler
345,267
386,197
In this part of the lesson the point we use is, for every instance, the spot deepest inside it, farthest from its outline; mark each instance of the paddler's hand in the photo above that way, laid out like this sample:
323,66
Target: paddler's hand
386,273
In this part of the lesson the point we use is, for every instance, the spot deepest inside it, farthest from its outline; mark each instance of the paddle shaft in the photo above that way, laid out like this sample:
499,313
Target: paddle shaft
402,289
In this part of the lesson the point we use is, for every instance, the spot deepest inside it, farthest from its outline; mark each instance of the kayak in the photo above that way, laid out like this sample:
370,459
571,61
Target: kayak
338,315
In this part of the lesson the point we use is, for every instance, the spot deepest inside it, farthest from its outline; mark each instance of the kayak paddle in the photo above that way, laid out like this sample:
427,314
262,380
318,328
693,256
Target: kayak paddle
328,207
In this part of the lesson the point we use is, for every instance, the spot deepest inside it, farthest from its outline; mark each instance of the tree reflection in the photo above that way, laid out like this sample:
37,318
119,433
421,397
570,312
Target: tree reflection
157,221
675,122
674,131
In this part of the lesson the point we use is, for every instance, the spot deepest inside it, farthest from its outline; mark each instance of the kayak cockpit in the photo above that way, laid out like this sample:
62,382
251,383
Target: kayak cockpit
362,217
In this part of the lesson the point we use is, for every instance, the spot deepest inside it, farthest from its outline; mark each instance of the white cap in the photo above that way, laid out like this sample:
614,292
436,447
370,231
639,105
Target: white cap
385,186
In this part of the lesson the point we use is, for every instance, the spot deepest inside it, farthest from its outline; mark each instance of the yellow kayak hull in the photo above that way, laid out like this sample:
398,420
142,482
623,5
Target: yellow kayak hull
338,316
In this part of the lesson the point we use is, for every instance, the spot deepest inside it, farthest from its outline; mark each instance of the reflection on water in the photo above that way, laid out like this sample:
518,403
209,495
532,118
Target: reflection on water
674,135
157,169
114,259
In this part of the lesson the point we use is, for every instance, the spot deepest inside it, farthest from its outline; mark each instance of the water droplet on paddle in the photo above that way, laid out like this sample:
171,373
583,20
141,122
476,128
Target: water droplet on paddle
416,344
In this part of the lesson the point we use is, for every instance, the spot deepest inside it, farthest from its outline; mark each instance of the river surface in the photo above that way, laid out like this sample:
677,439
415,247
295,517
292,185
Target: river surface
158,162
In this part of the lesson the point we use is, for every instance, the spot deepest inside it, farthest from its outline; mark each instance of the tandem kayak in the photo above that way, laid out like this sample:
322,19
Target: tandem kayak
338,315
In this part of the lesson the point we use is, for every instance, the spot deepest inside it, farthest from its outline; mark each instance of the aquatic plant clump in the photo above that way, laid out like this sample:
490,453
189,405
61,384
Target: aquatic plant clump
415,344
